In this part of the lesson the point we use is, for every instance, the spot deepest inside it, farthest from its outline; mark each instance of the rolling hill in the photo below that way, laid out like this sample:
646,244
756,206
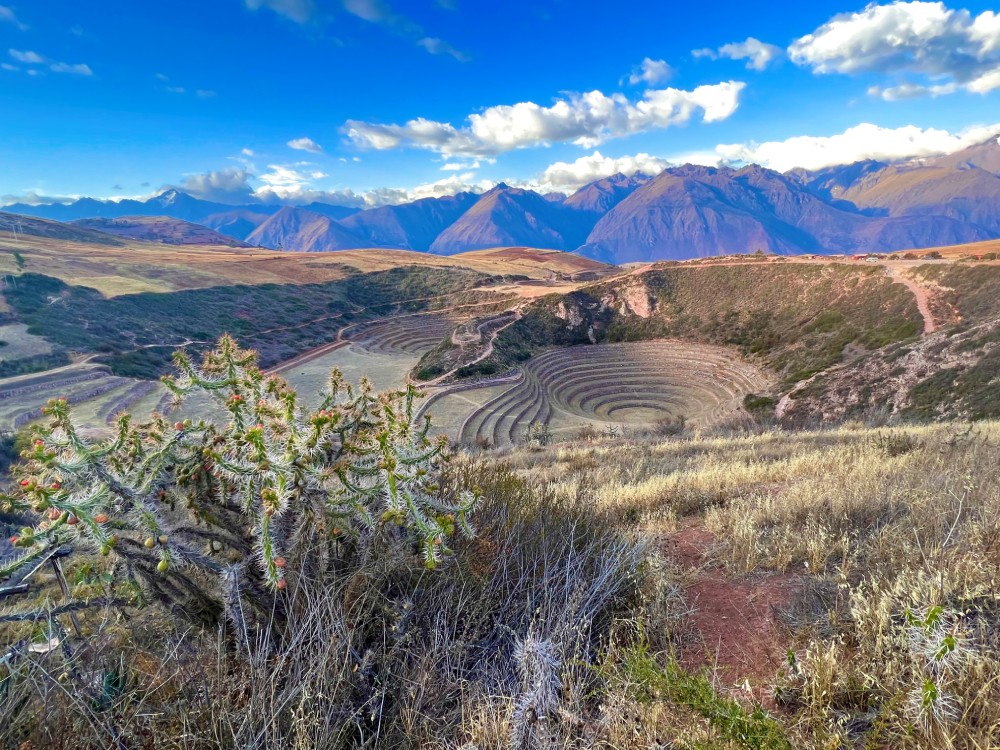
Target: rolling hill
160,229
16,226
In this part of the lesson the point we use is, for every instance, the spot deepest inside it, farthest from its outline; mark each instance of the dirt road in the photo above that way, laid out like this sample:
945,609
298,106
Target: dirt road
920,294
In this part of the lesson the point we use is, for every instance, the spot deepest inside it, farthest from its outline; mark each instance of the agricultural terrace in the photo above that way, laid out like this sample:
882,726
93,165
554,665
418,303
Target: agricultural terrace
97,395
602,387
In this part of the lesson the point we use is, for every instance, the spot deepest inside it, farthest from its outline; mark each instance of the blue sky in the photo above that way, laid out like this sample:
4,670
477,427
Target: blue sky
369,101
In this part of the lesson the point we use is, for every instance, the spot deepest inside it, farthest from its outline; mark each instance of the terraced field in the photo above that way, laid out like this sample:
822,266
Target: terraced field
97,395
635,384
414,334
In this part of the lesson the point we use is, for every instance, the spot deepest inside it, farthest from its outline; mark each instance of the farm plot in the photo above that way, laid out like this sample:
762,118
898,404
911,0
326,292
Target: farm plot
635,384
386,370
413,334
96,395
19,344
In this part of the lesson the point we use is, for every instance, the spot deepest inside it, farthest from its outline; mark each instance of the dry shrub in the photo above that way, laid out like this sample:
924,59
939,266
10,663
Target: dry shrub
380,653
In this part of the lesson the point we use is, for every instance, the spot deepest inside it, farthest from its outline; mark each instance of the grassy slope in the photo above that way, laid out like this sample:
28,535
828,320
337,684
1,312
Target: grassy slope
304,316
837,512
132,266
797,318
951,374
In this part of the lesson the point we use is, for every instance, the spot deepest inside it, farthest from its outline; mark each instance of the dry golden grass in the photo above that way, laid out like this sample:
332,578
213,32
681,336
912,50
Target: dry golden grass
137,266
879,529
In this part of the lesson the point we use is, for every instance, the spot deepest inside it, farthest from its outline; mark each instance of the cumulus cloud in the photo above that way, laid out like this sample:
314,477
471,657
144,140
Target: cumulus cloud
382,196
571,176
651,72
452,185
7,15
299,11
758,54
584,119
285,178
936,49
223,185
864,141
305,144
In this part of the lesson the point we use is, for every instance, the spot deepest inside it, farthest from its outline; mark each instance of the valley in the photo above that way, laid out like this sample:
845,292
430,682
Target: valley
456,375
500,340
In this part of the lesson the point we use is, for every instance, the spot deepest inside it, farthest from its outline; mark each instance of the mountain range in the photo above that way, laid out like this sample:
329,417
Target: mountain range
686,211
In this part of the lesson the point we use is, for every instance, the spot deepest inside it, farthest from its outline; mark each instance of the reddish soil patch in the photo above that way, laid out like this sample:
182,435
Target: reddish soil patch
736,633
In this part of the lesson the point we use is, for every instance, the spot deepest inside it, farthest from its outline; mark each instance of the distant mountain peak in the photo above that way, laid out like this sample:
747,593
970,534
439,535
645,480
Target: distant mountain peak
169,196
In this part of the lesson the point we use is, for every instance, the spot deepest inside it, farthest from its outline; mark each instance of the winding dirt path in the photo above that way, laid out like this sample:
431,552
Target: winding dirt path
486,352
920,293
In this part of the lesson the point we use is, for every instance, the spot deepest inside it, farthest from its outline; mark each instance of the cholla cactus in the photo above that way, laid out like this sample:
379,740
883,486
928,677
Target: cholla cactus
170,498
939,653
536,711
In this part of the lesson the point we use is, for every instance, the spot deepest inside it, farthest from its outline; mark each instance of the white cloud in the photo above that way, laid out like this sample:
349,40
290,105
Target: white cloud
585,119
758,54
457,166
945,49
77,70
29,57
300,11
223,185
440,47
7,15
34,198
383,196
26,56
450,186
864,141
284,178
305,144
651,72
570,176
380,12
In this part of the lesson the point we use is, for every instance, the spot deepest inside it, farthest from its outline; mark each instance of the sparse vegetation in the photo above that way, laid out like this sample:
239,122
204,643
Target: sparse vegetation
572,567
796,319
136,333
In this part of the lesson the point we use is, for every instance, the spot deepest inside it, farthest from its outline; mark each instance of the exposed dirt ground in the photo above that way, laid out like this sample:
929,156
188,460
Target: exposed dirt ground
736,633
